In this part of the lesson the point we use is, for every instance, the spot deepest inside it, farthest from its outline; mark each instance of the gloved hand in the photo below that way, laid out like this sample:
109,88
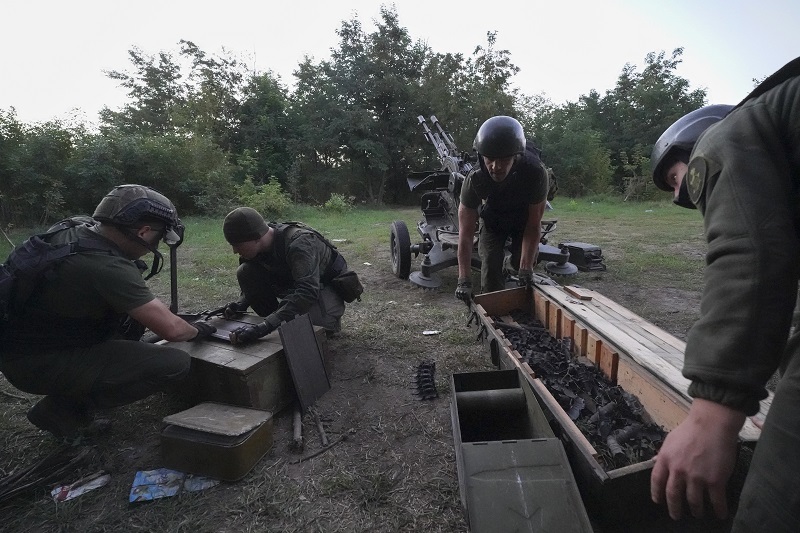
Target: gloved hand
204,330
251,332
464,290
234,309
525,278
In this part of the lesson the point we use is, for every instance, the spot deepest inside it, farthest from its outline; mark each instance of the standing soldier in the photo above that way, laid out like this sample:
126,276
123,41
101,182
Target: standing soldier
744,177
508,192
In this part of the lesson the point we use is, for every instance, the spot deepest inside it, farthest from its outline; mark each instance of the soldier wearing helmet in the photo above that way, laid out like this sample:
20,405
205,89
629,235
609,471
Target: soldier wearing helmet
67,342
670,157
508,193
744,177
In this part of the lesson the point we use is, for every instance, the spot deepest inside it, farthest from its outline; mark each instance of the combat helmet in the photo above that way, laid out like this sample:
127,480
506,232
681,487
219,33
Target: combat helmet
499,137
129,205
682,135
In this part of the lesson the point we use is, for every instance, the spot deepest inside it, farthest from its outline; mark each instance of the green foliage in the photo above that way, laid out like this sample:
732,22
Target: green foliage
338,203
199,126
269,199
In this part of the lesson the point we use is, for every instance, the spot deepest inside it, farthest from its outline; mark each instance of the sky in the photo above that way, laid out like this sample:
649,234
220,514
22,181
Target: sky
54,53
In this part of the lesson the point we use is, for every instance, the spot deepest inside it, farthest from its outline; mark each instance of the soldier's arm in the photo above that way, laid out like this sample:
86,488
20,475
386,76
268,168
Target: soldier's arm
467,218
532,236
157,317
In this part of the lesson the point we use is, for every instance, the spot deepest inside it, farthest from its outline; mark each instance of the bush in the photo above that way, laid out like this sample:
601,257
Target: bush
338,203
269,199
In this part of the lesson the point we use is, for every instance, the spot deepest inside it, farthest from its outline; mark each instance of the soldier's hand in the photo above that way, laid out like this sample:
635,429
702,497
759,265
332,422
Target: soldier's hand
249,333
204,330
525,278
234,309
464,290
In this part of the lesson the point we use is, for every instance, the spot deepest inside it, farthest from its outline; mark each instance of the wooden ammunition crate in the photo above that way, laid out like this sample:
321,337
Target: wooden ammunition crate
252,375
634,354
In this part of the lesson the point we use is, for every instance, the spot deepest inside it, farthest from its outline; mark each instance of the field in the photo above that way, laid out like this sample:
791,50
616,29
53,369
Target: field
394,467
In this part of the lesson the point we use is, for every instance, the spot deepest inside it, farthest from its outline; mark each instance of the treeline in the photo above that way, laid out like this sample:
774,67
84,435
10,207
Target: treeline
210,133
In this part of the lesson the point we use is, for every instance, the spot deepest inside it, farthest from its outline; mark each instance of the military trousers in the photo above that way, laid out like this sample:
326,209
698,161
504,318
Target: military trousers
107,374
265,297
492,252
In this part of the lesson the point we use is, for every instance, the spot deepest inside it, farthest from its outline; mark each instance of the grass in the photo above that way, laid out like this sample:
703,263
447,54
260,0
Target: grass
396,471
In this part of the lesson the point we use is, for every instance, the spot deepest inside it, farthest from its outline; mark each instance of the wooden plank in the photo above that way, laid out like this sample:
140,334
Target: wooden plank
579,292
554,321
666,410
609,362
593,347
541,305
502,302
567,326
579,340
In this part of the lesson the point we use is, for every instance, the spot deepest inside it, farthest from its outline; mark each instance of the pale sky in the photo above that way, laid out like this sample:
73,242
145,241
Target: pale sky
53,52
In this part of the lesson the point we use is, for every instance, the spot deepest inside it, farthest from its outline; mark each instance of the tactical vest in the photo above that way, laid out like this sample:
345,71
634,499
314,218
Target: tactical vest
287,232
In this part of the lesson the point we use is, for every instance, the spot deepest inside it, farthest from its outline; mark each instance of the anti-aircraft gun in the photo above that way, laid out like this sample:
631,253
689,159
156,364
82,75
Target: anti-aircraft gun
441,191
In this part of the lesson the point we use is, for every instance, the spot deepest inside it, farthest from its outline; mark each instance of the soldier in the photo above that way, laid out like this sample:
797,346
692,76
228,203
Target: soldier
66,342
284,270
743,175
509,193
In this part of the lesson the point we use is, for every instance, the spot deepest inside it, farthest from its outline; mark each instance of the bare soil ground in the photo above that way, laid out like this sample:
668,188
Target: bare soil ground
392,467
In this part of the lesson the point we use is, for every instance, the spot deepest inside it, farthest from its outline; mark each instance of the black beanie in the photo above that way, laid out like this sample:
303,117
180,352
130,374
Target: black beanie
243,224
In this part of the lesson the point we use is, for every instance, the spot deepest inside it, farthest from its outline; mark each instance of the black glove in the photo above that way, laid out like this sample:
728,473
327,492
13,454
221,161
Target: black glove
249,333
464,290
204,330
525,278
234,309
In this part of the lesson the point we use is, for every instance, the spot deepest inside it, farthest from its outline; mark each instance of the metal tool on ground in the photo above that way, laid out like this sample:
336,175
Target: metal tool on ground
441,190
297,435
322,435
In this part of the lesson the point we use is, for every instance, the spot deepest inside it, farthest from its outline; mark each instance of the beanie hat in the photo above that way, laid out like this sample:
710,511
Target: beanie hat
244,224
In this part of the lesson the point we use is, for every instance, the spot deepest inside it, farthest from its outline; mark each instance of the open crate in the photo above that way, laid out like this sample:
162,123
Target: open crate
620,498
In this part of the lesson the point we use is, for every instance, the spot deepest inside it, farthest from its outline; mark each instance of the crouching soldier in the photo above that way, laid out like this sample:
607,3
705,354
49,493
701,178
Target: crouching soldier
66,342
286,270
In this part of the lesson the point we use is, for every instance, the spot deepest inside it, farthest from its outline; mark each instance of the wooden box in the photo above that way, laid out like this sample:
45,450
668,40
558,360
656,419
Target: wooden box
251,375
633,354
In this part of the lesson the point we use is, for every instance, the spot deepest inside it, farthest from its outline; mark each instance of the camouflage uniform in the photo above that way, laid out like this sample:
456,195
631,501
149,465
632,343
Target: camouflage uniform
503,209
292,279
744,176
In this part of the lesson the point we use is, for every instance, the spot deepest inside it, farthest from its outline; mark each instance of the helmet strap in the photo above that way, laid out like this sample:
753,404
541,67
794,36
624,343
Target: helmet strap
158,258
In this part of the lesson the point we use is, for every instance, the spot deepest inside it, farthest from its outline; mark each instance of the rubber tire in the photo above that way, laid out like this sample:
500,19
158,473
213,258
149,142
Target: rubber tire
401,249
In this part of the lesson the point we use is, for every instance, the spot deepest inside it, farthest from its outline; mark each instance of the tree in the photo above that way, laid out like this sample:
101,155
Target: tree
640,107
157,93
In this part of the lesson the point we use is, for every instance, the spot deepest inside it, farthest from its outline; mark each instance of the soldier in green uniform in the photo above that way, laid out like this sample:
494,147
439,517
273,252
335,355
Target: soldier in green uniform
744,176
285,270
508,192
66,342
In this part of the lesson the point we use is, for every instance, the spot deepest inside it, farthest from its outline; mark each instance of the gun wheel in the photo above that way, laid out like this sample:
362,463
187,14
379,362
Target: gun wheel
401,249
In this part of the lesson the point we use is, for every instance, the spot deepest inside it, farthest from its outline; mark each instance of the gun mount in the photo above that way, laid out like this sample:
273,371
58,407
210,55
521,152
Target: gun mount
440,197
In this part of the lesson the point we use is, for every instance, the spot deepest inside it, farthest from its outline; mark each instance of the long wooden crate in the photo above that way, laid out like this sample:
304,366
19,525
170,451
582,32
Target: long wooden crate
634,354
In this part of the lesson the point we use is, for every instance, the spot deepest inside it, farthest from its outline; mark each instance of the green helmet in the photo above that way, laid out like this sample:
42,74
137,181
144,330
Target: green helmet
500,137
130,205
681,136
